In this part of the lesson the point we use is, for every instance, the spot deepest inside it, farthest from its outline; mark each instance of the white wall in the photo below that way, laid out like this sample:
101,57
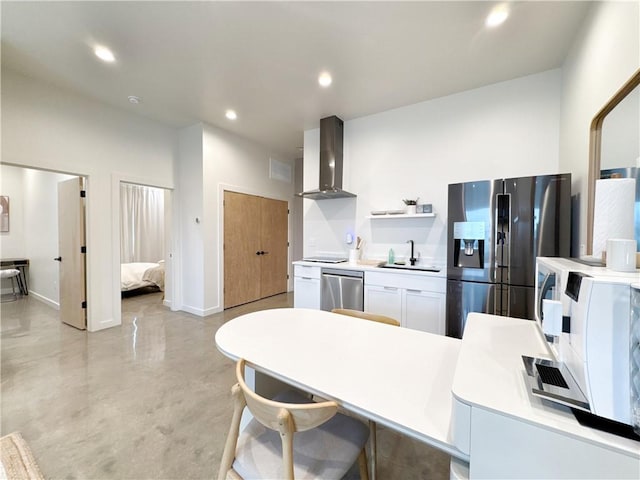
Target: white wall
190,270
604,56
507,129
11,185
41,232
50,128
212,160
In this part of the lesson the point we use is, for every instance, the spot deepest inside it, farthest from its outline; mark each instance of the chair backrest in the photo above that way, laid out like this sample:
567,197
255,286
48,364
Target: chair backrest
367,316
304,416
285,418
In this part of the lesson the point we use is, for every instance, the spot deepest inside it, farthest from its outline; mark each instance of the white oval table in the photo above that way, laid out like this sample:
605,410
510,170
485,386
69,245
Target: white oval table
397,377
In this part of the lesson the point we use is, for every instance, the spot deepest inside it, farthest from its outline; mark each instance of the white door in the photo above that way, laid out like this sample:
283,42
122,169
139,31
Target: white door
71,251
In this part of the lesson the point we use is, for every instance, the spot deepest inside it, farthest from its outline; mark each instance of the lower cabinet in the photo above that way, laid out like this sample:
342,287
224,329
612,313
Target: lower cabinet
418,302
383,300
306,287
424,311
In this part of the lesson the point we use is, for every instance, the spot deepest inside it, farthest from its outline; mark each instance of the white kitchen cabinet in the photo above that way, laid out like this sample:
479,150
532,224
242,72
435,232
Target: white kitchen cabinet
424,311
306,287
383,300
416,301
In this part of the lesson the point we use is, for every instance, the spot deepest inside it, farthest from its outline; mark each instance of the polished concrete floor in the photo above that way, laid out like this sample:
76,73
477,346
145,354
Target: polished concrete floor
147,400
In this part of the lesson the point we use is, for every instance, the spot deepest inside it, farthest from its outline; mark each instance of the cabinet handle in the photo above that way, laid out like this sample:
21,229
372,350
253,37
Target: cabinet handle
413,291
391,288
306,278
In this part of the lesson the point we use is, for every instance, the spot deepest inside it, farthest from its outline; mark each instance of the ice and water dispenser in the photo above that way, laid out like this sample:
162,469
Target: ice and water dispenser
468,244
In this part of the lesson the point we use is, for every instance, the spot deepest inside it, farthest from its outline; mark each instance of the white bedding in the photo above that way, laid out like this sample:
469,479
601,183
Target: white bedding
137,275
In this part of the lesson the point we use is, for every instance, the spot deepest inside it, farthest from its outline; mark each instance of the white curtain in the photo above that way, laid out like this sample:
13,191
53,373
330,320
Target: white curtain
141,223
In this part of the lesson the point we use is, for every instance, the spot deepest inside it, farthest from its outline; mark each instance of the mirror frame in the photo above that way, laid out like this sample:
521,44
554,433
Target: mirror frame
595,145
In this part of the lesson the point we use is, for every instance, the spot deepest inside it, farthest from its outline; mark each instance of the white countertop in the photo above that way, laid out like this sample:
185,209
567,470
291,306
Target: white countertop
371,266
398,377
490,375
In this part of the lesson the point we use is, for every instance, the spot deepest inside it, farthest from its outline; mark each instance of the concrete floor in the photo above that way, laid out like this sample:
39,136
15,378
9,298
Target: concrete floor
147,400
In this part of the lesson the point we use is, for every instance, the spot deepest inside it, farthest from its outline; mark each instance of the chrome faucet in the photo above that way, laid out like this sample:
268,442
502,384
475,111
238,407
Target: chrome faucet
412,259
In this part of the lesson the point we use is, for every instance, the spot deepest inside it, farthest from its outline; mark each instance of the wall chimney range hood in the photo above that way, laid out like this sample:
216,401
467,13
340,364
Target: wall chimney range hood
331,140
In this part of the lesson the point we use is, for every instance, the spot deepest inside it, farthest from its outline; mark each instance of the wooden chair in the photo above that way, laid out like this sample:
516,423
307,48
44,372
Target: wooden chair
374,317
326,443
372,425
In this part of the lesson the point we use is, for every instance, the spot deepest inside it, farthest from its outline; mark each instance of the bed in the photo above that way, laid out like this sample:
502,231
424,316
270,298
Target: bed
139,275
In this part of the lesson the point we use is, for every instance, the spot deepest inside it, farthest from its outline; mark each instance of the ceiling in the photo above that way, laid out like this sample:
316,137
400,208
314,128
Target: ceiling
190,61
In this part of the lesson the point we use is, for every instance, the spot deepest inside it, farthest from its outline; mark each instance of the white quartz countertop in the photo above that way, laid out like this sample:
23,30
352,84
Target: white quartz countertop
490,374
372,266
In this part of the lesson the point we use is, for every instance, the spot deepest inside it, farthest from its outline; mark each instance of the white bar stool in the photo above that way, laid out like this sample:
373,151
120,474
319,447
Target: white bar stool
11,273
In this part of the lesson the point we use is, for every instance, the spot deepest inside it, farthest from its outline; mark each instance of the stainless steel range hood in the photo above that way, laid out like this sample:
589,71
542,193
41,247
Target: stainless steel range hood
331,140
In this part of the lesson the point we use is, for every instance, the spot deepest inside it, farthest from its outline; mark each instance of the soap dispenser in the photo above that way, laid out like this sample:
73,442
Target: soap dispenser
391,258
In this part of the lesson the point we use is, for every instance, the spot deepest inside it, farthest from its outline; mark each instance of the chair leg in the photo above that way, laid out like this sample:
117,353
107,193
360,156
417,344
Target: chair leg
373,448
363,465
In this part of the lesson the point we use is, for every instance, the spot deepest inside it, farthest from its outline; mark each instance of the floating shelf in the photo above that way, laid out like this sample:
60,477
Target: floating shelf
403,215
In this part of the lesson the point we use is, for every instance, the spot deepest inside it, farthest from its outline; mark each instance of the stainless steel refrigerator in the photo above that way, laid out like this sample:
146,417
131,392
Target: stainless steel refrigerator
496,229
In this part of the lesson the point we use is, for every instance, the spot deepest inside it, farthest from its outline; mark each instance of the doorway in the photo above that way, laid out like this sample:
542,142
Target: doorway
34,230
256,231
144,223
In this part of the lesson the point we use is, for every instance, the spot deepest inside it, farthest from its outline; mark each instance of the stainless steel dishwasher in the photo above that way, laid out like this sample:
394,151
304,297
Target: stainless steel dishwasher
341,289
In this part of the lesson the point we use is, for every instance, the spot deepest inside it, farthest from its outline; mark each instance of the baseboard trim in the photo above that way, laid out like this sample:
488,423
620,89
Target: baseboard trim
199,311
43,299
102,325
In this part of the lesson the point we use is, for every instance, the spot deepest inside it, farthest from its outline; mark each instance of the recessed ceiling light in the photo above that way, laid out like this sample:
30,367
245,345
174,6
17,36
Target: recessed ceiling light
325,79
104,54
231,114
133,99
498,15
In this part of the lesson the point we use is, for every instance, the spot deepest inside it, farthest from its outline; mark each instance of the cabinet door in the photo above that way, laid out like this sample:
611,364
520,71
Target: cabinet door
306,292
424,311
383,301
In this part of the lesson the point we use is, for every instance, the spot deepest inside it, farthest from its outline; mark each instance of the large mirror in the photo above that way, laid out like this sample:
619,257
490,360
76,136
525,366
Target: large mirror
614,149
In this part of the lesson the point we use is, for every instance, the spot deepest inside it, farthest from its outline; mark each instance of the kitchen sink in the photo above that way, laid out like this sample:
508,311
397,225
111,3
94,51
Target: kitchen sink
401,266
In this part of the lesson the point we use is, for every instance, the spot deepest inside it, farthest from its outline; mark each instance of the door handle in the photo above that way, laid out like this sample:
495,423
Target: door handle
258,253
58,259
261,252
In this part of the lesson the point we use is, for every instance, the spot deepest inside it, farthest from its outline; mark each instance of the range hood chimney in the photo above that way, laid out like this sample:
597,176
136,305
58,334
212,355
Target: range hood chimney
331,140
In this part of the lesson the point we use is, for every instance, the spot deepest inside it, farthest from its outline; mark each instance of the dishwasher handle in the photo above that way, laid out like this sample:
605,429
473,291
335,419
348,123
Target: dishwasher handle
337,272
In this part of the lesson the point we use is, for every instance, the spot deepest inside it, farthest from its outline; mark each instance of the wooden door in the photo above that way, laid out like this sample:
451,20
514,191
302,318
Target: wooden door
241,248
274,236
71,244
255,248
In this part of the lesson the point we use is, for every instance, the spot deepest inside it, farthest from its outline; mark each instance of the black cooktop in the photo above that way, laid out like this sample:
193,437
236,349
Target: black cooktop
325,259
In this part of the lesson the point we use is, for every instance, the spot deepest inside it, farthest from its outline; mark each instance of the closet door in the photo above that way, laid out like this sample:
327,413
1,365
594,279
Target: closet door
241,248
274,238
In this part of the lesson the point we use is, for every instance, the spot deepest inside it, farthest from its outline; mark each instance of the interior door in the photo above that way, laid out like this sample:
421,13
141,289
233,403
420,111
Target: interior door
241,248
274,249
71,245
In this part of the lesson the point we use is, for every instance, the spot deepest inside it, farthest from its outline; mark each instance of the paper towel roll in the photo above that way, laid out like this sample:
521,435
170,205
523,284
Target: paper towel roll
613,215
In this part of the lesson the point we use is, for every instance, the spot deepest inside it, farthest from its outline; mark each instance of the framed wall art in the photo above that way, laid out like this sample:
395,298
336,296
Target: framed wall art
4,213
